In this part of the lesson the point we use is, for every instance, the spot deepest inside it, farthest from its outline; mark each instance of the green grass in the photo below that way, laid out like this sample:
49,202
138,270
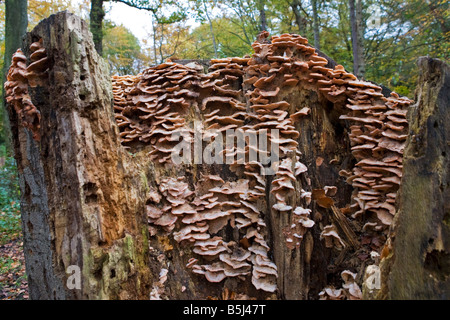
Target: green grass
8,265
2,150
10,225
13,279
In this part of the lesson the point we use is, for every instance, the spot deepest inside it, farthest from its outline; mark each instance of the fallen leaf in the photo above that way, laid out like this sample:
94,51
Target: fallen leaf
322,200
244,242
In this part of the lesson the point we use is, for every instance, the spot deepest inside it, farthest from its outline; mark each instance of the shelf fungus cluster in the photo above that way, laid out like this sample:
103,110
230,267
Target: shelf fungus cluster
151,108
123,88
221,99
378,125
226,202
349,291
225,107
378,131
275,66
19,78
250,97
200,215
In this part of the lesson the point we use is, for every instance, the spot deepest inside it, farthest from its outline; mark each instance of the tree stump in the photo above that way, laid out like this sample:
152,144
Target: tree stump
103,193
79,206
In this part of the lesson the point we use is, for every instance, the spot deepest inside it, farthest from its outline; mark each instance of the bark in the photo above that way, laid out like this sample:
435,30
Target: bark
360,39
420,235
16,21
295,5
262,16
78,207
316,25
211,29
96,16
154,28
357,34
354,34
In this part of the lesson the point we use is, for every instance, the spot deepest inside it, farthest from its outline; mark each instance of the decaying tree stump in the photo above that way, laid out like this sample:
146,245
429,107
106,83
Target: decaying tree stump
82,195
102,191
416,261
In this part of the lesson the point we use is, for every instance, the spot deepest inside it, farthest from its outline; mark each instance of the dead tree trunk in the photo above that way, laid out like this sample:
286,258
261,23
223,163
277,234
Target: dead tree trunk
421,231
80,211
104,188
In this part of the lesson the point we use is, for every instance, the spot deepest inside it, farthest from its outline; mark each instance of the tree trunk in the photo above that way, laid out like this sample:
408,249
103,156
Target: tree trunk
83,221
96,24
360,38
354,33
211,29
357,33
262,16
154,28
316,25
161,40
298,16
16,22
84,195
421,231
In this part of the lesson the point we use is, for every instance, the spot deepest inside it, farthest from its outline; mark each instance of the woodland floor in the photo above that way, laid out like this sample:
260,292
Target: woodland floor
13,280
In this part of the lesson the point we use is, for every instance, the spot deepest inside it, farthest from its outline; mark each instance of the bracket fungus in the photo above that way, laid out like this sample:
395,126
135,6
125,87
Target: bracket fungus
330,293
378,134
331,237
37,70
19,78
351,288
